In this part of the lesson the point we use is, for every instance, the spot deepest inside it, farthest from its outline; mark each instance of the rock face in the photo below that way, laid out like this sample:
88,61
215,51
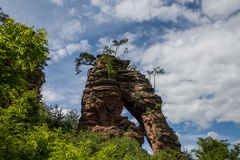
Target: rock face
112,85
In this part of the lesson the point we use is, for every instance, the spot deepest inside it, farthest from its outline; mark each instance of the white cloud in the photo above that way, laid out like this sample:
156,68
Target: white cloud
221,8
103,41
76,99
185,1
71,29
65,111
72,11
202,84
188,141
51,95
214,135
69,49
58,2
142,10
237,141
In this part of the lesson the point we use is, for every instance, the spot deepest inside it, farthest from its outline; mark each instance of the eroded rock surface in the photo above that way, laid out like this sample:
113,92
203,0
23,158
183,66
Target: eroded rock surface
106,94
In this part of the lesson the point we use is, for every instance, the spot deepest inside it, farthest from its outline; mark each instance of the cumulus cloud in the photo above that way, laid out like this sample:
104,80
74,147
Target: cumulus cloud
149,9
104,41
220,9
71,29
75,99
69,49
202,83
58,2
72,12
236,141
188,141
50,95
142,10
214,135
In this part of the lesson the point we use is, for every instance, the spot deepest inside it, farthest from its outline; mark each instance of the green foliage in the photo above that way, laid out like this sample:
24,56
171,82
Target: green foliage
16,124
110,63
188,154
120,148
3,16
111,71
84,59
24,134
22,49
152,109
213,149
169,154
30,131
57,119
116,44
108,50
89,59
158,106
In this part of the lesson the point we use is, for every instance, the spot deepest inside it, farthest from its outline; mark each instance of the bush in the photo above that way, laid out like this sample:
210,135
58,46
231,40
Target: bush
57,119
213,149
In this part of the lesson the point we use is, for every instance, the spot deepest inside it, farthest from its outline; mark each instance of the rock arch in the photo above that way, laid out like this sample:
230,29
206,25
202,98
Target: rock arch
103,100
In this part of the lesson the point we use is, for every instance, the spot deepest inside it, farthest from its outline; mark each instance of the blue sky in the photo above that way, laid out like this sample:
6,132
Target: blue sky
196,41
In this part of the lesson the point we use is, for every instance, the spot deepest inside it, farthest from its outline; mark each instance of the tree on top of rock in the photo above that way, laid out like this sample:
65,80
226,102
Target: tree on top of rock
154,72
86,58
113,48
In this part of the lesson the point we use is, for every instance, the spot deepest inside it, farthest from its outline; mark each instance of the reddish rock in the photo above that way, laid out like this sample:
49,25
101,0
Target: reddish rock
103,100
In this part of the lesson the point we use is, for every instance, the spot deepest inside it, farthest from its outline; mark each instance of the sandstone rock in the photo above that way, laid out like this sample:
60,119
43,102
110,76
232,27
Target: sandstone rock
103,100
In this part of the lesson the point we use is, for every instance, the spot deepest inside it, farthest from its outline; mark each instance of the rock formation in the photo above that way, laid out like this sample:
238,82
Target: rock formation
110,86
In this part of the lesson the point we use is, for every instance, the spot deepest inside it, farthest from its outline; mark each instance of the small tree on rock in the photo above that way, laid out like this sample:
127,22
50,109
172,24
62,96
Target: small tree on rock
84,58
113,48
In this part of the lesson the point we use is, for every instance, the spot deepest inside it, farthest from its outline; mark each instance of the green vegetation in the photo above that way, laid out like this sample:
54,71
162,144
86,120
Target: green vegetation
3,16
113,48
24,134
152,109
31,131
109,54
213,149
22,50
169,154
57,119
118,43
158,106
110,64
84,59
